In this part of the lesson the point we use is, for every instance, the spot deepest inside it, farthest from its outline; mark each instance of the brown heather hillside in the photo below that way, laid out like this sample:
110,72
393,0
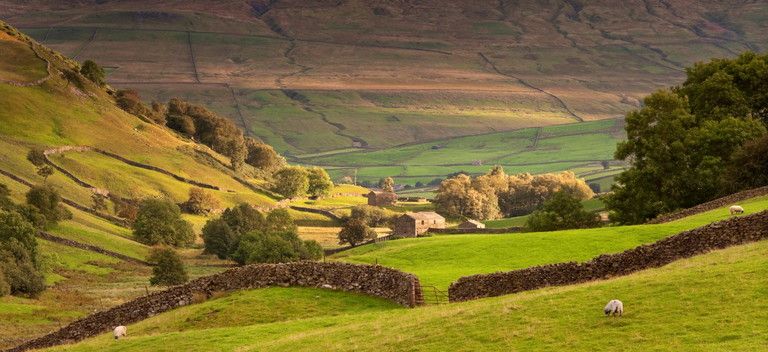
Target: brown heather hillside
381,73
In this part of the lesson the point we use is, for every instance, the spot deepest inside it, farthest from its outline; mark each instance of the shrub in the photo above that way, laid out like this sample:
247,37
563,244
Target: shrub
355,232
562,211
201,202
320,183
47,201
130,101
93,72
158,221
291,181
168,268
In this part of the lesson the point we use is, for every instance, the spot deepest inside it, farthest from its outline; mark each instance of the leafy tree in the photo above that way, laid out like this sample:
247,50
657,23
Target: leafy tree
19,267
263,156
47,201
93,72
320,183
201,202
527,192
159,221
45,171
677,157
291,181
276,242
387,184
222,235
356,231
748,167
168,268
130,101
37,157
370,215
562,211
457,198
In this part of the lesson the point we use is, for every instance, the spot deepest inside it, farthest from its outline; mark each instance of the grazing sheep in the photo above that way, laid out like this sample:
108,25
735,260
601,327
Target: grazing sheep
614,307
120,331
736,209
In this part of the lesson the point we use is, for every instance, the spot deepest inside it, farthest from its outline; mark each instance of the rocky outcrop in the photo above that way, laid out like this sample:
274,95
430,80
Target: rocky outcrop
686,244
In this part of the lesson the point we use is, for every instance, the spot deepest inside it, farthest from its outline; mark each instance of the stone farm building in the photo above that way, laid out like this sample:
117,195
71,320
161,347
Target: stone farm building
381,199
471,225
415,224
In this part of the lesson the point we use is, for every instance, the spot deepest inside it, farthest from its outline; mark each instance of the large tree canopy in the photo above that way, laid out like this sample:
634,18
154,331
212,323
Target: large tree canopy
680,143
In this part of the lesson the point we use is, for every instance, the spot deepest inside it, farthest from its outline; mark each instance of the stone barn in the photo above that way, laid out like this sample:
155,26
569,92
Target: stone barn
381,199
415,224
471,225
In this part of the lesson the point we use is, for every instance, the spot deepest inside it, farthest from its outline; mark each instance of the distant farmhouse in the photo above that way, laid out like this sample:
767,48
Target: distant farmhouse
381,199
471,225
415,224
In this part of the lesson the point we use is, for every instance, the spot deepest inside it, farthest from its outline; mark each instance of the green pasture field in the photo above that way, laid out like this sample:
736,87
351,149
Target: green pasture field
440,260
677,307
19,62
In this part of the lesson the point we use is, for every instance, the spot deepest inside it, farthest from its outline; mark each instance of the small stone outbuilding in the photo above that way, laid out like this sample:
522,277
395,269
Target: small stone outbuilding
381,199
415,224
471,225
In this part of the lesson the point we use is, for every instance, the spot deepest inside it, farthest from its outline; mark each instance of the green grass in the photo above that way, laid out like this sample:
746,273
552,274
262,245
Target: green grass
440,260
594,204
695,304
264,306
19,62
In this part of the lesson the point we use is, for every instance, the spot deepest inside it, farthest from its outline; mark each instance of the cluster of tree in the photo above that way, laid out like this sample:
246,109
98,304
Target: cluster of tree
497,194
387,184
695,142
168,268
20,263
296,181
159,222
246,236
89,69
205,126
358,226
561,211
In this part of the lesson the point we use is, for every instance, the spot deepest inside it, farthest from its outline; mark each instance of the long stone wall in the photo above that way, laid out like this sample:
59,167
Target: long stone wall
686,244
373,280
717,203
67,242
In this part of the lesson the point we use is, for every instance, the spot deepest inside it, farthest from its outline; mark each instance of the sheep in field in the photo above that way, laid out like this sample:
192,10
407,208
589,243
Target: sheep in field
614,307
736,209
120,331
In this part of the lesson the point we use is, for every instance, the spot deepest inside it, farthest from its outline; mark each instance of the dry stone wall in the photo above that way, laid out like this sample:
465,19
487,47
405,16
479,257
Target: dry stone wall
717,203
686,244
456,231
373,280
67,242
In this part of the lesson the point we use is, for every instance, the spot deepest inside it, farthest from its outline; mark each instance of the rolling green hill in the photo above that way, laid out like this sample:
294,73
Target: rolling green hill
691,305
441,259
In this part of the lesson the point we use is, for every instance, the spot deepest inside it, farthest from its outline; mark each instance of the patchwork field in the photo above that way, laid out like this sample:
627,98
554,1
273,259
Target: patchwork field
318,81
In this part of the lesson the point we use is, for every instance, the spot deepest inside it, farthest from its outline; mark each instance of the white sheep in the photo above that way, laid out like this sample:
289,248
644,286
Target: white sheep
736,209
614,307
120,331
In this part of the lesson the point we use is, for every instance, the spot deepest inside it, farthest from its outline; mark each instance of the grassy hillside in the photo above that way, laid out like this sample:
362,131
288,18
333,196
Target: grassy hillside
690,305
332,77
440,260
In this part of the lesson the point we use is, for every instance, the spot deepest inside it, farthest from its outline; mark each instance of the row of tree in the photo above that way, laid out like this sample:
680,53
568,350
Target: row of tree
695,142
496,194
